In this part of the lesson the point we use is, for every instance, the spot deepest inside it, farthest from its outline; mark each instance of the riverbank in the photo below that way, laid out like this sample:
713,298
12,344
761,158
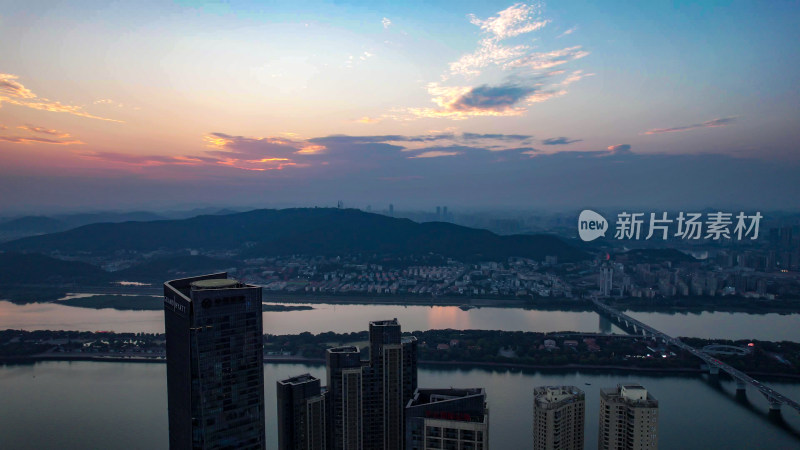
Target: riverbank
422,363
109,297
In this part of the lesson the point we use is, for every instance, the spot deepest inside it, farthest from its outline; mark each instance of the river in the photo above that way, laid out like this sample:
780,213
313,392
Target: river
349,318
78,405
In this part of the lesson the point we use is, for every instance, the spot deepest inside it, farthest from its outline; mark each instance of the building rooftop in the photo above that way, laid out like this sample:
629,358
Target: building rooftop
554,395
215,283
427,396
346,349
383,323
299,379
632,394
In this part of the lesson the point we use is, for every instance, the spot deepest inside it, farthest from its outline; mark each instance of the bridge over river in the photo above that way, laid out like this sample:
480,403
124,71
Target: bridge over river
776,399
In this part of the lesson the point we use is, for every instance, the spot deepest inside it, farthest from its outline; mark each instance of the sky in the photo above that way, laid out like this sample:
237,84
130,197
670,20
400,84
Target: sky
137,105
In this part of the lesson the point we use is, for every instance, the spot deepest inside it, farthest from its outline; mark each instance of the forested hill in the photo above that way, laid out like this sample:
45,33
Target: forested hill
311,231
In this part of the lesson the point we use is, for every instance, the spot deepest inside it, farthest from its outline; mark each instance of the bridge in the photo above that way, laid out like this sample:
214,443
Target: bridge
775,398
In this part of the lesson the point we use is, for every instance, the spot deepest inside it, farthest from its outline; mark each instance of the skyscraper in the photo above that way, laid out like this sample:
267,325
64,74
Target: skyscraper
558,418
301,414
344,398
215,371
365,399
390,379
447,418
628,419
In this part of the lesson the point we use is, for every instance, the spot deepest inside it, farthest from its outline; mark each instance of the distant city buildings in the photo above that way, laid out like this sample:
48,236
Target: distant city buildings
558,418
215,370
447,419
628,419
606,281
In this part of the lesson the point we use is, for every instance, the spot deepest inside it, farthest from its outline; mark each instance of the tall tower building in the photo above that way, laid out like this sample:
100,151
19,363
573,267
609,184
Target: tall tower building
390,379
215,371
558,418
301,414
447,418
628,418
344,398
606,281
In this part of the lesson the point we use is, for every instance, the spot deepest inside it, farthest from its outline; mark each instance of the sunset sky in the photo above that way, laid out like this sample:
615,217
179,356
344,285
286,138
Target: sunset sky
136,105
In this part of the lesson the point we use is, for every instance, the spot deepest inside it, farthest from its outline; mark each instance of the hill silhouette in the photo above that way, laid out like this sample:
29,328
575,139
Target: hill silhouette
32,268
311,231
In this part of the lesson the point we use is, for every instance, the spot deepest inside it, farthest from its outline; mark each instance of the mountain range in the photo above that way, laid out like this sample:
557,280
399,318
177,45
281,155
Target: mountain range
309,231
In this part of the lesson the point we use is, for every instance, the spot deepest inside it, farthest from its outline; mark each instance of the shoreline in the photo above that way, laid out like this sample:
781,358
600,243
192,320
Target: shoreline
559,304
421,363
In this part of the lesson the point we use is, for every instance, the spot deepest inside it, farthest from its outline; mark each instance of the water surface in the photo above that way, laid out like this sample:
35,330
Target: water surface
78,405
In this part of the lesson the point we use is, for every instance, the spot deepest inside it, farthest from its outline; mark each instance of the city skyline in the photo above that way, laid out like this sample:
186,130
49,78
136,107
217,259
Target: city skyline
484,104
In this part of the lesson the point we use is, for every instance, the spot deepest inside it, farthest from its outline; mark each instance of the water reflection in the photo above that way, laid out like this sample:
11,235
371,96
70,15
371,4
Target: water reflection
123,405
448,317
349,318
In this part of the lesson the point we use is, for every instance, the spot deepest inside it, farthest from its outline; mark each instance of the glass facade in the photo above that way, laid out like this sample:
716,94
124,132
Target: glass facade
215,365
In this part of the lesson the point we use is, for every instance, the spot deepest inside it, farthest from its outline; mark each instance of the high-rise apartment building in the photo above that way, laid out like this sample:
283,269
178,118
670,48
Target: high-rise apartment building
301,414
215,371
365,399
628,419
344,398
558,418
390,378
447,419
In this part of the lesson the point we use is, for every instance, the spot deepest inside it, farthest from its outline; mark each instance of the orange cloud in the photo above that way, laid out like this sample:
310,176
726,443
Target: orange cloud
367,119
14,93
33,139
42,130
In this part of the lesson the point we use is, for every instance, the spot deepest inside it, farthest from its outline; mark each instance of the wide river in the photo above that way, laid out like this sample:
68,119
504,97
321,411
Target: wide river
349,318
105,405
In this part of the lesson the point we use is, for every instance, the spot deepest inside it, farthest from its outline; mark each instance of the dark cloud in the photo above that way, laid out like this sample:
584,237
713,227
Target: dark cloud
561,140
345,139
710,124
619,149
444,172
501,137
143,160
487,97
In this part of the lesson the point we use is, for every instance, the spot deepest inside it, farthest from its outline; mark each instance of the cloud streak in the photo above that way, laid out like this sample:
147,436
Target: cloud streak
327,153
567,32
42,130
38,140
709,124
14,93
561,140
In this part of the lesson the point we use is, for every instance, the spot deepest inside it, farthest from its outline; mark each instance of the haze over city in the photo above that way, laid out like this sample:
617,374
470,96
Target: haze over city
479,104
